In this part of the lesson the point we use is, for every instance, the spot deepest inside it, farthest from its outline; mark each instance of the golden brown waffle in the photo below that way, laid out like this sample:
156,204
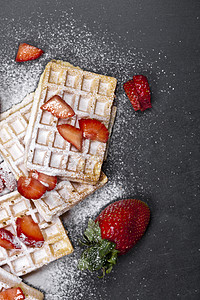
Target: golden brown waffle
66,194
8,280
90,95
27,259
13,127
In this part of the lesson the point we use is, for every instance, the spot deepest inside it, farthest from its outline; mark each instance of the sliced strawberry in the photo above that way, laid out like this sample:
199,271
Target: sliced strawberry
8,240
27,52
143,90
45,179
58,107
71,134
29,232
30,188
94,130
132,94
138,92
14,293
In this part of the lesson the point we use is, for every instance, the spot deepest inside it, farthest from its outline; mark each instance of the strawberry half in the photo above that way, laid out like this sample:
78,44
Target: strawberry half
47,180
30,187
143,90
29,232
8,240
94,130
115,231
138,92
58,107
27,52
132,94
14,293
71,134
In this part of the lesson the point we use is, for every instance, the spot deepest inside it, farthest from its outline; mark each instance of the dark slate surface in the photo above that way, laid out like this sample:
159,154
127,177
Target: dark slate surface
156,153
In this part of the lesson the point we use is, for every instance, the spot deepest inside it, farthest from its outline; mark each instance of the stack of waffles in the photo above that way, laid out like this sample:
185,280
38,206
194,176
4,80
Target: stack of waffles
29,140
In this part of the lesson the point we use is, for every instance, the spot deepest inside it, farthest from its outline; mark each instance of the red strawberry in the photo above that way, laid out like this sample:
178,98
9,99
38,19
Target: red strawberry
8,240
138,92
94,130
58,107
30,187
143,90
132,94
115,231
29,232
14,293
71,134
47,180
27,52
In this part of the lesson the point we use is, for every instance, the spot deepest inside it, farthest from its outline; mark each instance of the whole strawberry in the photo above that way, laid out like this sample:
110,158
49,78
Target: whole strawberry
115,231
138,92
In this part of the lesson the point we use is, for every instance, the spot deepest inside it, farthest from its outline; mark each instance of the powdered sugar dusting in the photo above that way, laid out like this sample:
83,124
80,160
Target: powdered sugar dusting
71,40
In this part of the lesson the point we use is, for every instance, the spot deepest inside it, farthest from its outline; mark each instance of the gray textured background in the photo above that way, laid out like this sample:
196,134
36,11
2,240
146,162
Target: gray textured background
153,155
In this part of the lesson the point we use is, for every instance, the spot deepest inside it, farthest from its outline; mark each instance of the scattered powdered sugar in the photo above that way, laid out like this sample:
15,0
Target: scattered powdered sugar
97,51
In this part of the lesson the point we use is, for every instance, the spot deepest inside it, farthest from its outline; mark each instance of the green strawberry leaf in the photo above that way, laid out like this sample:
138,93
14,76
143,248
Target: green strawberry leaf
93,231
100,254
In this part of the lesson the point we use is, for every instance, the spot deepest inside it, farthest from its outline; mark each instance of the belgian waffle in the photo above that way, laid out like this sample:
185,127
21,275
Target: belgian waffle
90,95
13,127
27,259
66,195
8,280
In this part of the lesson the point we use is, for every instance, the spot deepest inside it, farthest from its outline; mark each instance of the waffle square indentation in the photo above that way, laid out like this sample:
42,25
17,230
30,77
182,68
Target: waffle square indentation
72,163
85,104
67,191
3,215
40,255
47,118
92,166
58,247
19,208
49,94
43,136
3,253
56,160
15,151
59,141
53,76
71,79
95,147
52,200
51,232
69,98
104,88
87,84
100,108
4,135
39,157
18,125
21,264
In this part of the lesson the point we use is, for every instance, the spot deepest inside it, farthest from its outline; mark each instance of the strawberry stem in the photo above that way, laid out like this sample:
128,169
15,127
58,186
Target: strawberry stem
100,254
